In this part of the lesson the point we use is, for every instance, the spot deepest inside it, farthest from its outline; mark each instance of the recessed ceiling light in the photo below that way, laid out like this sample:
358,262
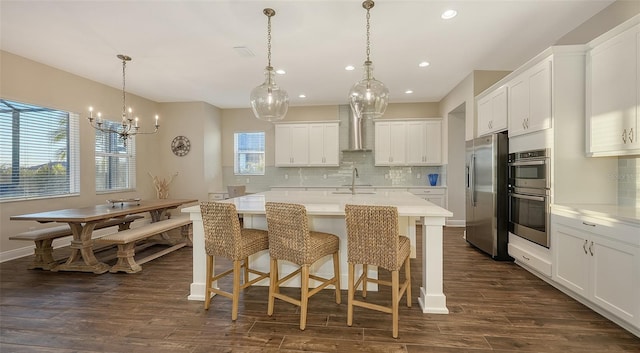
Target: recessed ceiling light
449,14
302,95
349,68
408,91
280,72
424,64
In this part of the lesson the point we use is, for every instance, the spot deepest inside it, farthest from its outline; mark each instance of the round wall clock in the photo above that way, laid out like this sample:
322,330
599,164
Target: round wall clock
180,146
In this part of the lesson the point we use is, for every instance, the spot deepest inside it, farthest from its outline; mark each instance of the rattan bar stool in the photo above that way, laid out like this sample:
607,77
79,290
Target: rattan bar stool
290,239
224,237
373,239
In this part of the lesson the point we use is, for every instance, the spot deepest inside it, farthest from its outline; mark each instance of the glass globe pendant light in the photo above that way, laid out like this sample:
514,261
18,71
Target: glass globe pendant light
269,102
368,97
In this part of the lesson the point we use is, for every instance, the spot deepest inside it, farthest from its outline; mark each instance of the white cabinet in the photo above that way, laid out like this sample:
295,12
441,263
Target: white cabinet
306,144
390,143
492,112
408,142
600,261
613,95
324,144
529,102
434,195
292,145
424,142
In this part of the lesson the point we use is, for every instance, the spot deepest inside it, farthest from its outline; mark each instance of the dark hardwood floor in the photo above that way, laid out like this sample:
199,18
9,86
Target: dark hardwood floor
494,307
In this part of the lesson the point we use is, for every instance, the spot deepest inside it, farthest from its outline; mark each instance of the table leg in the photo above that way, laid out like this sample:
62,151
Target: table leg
82,257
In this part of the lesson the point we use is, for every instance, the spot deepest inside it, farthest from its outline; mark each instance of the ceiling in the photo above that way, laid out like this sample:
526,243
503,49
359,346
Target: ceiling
184,50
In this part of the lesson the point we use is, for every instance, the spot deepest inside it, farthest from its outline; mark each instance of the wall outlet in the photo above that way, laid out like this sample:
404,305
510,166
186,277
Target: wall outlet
418,176
324,176
247,181
286,177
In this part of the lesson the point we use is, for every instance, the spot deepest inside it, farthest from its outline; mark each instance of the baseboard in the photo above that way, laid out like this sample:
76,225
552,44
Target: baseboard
455,223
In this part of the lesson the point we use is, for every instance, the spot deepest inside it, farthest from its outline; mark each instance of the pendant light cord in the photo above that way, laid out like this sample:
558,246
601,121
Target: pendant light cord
124,97
269,40
368,33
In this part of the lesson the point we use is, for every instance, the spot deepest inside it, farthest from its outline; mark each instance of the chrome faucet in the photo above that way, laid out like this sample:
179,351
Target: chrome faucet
354,175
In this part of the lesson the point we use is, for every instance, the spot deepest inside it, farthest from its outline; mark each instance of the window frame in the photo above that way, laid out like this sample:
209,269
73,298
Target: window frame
236,167
114,140
67,150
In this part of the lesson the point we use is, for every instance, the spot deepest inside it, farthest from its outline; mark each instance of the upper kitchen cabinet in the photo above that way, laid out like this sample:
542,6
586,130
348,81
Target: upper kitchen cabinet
424,142
306,144
412,142
323,145
492,112
390,142
529,102
292,145
613,94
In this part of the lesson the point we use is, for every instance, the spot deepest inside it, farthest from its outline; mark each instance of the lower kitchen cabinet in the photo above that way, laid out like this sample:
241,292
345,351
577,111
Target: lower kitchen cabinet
434,195
599,261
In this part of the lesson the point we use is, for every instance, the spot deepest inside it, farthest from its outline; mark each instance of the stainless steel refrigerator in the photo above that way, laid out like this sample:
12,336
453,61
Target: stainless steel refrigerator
487,194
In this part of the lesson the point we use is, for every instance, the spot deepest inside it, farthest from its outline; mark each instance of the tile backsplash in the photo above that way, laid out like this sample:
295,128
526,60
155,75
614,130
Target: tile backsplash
629,181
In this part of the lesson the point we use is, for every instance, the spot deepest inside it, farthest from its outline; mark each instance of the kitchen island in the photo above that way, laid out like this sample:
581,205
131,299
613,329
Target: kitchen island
326,213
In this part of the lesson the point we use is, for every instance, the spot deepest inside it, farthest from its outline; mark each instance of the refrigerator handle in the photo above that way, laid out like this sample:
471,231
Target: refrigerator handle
472,179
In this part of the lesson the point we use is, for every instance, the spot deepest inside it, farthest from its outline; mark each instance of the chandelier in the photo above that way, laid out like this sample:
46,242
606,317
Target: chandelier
368,97
269,102
129,126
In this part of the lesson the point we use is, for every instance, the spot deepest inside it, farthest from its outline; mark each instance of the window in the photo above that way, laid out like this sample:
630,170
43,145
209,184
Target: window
39,152
248,153
115,160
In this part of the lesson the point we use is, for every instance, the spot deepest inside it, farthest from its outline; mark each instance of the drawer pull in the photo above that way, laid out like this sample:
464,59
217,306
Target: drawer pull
588,224
526,258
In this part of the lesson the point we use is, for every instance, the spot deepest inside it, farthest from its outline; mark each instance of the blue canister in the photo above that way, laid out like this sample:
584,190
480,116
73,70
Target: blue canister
433,179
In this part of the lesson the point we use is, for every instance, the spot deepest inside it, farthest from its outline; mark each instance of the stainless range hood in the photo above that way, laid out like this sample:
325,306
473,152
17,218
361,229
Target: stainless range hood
356,134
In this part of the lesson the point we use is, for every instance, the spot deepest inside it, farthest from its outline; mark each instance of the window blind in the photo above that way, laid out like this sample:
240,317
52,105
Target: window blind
39,152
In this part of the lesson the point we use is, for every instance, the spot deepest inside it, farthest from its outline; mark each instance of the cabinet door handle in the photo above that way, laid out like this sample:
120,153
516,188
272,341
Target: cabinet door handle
524,126
591,248
526,258
624,136
588,224
631,135
584,246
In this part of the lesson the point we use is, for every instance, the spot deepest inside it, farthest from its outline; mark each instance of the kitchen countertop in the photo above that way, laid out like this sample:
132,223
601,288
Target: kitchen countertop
330,203
363,186
621,213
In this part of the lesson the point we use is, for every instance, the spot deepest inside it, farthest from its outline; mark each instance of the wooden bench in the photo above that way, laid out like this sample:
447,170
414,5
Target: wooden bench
126,242
43,239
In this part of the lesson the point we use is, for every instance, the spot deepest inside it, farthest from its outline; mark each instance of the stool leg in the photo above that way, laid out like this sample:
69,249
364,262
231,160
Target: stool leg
246,269
407,271
207,291
304,296
365,272
395,288
273,282
237,268
350,294
336,275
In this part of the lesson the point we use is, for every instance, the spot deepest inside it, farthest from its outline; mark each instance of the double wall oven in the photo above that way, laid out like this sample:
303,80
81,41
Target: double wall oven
529,185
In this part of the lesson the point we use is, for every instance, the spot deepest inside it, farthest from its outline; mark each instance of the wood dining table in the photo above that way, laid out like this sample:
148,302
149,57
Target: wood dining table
83,221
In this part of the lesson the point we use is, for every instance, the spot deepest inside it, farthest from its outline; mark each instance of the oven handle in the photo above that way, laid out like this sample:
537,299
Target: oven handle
528,197
535,162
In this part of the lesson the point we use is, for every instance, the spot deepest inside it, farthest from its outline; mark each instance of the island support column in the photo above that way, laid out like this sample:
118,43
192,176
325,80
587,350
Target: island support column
432,299
198,285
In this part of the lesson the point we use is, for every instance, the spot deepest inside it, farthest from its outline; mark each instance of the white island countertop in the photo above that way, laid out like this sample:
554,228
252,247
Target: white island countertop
331,203
326,212
627,214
